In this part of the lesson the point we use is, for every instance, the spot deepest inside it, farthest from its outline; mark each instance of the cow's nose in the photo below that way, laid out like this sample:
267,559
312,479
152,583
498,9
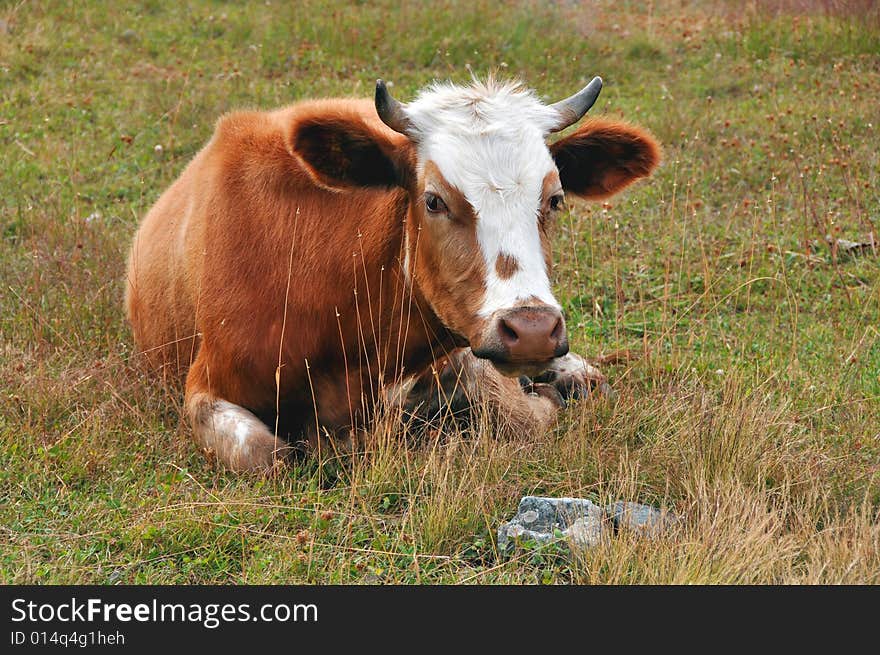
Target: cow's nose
531,334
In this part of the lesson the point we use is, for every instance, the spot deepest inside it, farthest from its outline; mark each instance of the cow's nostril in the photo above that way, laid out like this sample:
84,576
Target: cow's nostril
558,331
508,334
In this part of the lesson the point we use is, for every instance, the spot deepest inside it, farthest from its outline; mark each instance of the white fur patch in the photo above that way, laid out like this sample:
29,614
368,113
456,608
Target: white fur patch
232,421
573,365
488,141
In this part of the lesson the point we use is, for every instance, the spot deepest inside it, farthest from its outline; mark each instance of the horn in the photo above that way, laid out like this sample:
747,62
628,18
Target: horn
572,109
391,111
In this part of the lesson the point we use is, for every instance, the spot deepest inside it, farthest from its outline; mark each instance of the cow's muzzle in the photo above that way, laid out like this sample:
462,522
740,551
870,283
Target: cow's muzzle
523,340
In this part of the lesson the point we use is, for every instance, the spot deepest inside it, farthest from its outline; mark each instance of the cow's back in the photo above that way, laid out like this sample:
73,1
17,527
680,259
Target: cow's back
160,294
168,254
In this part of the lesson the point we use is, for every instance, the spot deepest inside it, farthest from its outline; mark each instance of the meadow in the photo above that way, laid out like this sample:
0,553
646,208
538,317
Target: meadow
732,299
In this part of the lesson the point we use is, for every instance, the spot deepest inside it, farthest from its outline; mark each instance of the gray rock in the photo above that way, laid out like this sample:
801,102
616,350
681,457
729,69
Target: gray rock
577,522
586,531
129,36
644,519
542,520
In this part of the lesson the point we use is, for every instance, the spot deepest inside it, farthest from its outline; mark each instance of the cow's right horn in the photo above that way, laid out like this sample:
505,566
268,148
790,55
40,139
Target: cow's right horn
391,111
572,109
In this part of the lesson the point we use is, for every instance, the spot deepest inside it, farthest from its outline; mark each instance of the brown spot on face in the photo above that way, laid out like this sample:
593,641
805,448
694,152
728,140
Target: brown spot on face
506,266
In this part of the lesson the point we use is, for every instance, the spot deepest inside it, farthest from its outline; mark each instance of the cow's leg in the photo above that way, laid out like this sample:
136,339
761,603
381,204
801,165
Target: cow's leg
510,406
229,433
574,377
461,384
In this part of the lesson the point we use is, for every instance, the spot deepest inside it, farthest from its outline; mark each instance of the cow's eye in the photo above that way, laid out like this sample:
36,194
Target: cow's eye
557,202
434,203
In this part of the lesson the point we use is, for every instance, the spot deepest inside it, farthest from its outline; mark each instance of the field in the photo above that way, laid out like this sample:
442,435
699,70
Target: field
736,314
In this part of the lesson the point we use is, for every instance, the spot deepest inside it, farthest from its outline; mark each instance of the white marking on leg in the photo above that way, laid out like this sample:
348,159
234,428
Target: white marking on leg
239,439
232,420
575,365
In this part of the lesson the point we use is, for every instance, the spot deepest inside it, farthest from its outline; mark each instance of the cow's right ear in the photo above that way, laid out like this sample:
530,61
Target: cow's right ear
340,152
603,156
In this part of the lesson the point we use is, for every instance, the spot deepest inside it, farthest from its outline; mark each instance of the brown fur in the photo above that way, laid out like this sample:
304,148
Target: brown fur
446,256
460,386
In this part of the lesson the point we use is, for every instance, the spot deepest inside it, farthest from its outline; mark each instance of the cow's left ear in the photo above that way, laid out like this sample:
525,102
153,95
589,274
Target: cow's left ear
341,152
602,157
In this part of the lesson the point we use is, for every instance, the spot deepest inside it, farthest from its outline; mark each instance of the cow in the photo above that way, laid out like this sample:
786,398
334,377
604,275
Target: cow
310,258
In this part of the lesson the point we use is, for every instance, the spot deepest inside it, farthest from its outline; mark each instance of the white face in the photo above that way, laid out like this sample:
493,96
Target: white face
488,142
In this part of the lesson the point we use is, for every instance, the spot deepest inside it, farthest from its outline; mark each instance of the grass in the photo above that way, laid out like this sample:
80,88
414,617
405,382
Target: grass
745,348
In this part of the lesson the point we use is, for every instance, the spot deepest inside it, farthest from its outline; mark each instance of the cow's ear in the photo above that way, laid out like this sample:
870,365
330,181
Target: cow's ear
602,157
340,152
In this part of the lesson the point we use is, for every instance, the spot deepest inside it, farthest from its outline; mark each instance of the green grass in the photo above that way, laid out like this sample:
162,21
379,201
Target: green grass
750,393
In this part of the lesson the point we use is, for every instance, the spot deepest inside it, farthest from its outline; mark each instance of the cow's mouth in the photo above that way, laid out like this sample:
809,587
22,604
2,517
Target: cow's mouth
517,369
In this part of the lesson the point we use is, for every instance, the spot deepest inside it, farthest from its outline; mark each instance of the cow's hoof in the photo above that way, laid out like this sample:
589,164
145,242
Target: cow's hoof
573,377
548,391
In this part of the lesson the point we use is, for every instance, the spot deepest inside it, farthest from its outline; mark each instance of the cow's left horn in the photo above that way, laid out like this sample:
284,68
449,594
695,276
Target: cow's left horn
391,111
572,109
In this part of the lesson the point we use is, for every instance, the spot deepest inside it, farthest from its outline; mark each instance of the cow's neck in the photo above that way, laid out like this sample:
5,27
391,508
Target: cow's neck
411,334
428,339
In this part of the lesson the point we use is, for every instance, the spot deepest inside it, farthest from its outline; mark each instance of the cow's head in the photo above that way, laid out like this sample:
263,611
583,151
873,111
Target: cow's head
485,189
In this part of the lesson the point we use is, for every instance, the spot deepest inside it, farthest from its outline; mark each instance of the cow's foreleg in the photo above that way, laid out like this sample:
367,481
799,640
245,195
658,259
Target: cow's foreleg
574,377
232,435
513,408
229,433
461,385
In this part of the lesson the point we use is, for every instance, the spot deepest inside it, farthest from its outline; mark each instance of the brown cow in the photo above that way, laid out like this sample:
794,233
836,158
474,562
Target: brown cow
309,257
